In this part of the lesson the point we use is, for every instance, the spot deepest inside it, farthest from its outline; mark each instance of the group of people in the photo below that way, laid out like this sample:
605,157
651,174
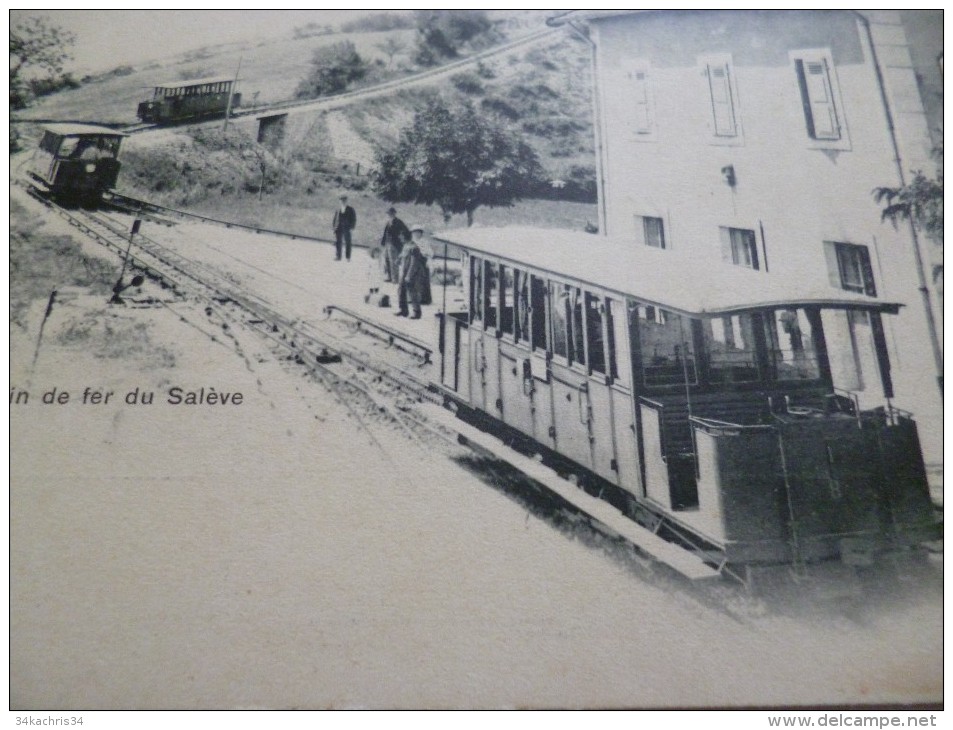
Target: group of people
401,259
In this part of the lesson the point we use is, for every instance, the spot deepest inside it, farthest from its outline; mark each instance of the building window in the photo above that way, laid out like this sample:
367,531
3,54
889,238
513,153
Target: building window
722,98
652,231
739,246
849,268
641,101
819,98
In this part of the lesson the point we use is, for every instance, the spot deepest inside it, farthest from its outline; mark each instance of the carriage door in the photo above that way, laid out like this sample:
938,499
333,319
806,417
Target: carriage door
516,377
572,405
484,349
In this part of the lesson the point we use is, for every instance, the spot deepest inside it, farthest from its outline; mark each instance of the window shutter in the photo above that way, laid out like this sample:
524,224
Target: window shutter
719,85
869,288
725,234
833,267
640,95
818,99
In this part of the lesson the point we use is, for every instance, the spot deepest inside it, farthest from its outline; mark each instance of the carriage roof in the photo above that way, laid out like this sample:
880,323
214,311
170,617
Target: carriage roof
666,278
195,82
79,130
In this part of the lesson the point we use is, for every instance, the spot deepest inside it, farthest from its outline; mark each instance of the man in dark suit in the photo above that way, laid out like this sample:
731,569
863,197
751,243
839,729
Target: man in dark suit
395,233
345,219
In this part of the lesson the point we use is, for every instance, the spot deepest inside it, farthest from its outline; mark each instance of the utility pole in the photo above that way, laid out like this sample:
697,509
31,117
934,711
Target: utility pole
231,94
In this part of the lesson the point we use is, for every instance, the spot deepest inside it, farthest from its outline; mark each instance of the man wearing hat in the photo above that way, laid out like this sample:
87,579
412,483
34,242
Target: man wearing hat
345,219
411,277
395,233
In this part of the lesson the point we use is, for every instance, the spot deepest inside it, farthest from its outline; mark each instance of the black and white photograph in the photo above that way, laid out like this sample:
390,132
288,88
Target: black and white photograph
476,360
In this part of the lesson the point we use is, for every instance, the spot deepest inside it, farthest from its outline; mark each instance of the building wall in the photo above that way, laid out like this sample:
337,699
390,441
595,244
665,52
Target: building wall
795,192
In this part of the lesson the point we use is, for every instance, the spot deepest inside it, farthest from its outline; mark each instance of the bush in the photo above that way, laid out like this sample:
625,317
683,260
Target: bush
441,34
334,68
501,107
467,83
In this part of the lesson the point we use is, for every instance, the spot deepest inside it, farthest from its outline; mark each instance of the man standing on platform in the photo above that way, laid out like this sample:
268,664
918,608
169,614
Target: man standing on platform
395,233
345,219
410,279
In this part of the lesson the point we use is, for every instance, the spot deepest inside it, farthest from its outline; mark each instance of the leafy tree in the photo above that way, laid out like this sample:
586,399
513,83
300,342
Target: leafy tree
334,68
442,33
38,49
458,159
920,200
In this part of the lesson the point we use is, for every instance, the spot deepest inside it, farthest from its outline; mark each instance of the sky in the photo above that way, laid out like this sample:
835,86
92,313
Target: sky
108,38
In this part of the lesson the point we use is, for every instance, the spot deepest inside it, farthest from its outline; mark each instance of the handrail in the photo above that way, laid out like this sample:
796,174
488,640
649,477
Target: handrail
710,425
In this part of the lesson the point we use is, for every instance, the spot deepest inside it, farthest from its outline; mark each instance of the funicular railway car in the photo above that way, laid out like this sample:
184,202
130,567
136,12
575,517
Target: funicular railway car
700,403
76,162
193,99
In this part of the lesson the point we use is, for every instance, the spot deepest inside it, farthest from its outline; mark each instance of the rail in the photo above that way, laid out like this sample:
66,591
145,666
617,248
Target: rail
347,96
375,329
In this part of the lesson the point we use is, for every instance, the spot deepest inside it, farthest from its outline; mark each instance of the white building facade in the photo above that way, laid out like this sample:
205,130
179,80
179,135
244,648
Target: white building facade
756,139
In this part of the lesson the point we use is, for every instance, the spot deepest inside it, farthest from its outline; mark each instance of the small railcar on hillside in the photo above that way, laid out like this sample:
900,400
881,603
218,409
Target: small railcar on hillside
76,162
702,404
180,101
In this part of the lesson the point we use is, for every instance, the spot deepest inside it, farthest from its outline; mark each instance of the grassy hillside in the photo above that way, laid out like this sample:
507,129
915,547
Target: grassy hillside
543,91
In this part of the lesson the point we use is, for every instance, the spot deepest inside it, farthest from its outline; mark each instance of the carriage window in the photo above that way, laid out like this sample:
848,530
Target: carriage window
491,294
537,309
521,306
577,330
620,364
476,291
69,146
559,299
731,349
506,299
791,345
597,355
668,354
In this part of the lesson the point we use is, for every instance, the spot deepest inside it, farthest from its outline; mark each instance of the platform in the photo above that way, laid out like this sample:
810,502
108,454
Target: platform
353,280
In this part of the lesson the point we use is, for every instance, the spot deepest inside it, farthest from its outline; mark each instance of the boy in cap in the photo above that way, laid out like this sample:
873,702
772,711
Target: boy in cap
345,219
411,277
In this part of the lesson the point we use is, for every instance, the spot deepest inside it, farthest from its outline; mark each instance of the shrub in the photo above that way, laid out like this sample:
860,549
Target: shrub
334,68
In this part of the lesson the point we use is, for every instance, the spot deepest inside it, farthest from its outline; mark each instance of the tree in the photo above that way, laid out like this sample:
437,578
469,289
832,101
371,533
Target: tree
390,48
334,68
38,49
441,33
458,159
920,200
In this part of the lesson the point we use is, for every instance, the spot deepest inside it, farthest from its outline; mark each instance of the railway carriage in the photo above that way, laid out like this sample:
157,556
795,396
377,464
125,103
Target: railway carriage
76,162
702,404
192,99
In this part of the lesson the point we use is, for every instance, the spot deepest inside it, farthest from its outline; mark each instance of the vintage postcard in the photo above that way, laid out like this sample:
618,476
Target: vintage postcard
470,359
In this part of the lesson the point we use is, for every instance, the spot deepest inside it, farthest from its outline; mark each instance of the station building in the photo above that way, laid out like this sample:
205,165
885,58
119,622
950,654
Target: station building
756,139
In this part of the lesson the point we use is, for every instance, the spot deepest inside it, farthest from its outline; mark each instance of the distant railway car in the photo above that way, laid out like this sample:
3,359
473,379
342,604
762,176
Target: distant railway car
76,162
193,99
702,404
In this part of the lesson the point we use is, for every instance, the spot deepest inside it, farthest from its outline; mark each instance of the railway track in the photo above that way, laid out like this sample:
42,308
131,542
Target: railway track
380,389
373,391
380,395
347,97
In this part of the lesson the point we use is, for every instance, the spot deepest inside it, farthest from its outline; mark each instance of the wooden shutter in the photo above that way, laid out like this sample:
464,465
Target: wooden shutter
833,267
723,113
820,113
641,116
